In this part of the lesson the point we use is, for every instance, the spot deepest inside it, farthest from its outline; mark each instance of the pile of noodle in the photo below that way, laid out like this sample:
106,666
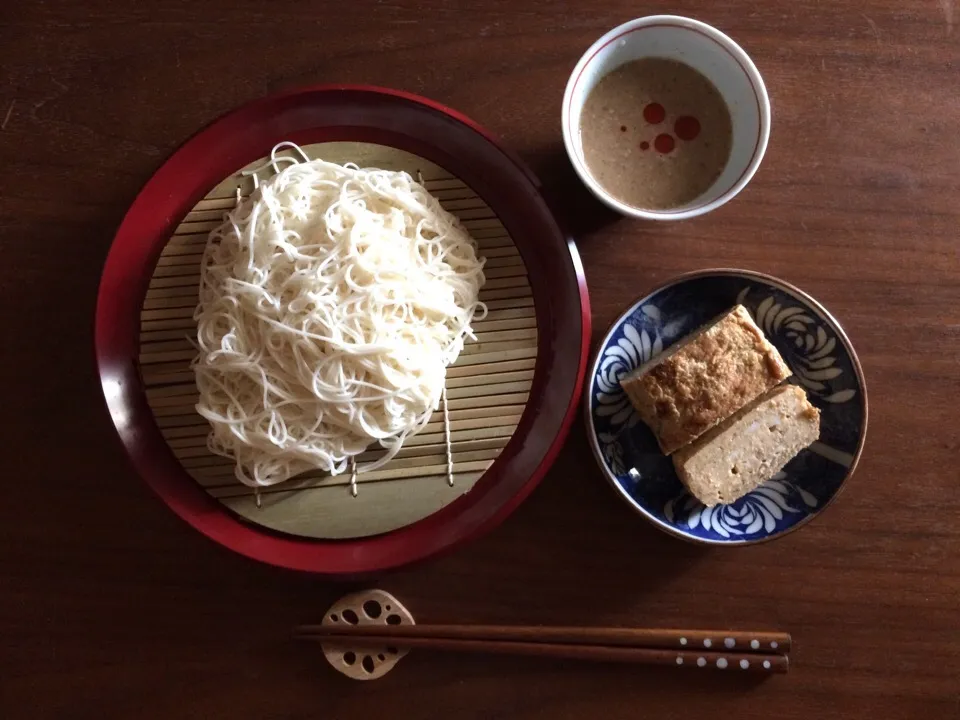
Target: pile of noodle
332,301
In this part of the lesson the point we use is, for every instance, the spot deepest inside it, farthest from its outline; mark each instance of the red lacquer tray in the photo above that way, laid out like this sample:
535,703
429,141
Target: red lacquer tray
385,117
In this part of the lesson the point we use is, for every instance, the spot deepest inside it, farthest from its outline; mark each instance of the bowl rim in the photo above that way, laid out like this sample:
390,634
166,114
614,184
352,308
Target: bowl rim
752,275
326,113
728,45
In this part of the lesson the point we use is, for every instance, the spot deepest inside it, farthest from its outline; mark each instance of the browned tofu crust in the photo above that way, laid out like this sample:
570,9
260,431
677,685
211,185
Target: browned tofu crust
723,368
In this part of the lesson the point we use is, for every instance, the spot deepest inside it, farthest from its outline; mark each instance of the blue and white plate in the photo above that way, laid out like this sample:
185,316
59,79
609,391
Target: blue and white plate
812,344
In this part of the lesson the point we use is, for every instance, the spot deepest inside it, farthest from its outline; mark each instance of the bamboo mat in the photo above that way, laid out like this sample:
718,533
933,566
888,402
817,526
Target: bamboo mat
487,387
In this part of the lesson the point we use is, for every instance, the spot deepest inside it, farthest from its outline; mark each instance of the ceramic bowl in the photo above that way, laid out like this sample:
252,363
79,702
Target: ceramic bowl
705,49
812,344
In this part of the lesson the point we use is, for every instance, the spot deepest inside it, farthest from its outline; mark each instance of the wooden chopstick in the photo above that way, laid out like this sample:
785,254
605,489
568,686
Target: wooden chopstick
684,648
647,656
772,643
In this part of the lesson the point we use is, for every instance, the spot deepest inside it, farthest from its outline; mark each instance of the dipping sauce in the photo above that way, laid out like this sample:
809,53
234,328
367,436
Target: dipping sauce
656,133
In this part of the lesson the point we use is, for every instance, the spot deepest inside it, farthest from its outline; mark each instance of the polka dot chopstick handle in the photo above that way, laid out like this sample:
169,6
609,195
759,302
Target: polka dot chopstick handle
734,661
725,640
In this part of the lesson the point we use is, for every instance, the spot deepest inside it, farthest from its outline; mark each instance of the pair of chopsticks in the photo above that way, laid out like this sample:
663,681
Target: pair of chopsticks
764,652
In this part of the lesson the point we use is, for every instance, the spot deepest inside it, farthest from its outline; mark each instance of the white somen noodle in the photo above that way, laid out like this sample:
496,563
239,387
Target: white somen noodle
331,303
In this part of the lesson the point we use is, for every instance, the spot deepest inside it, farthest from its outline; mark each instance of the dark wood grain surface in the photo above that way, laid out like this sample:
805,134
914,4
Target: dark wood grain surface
111,607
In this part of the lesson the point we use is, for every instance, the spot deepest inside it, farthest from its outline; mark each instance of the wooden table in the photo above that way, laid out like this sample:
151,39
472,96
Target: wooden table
111,607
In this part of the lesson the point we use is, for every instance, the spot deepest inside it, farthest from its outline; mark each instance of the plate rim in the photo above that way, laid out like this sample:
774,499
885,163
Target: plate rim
145,229
680,279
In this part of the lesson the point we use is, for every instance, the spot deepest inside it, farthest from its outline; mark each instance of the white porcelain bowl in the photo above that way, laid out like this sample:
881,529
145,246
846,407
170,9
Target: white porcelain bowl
708,51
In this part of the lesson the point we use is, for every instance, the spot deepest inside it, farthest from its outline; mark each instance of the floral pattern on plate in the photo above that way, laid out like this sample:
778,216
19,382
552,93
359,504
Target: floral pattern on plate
811,344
